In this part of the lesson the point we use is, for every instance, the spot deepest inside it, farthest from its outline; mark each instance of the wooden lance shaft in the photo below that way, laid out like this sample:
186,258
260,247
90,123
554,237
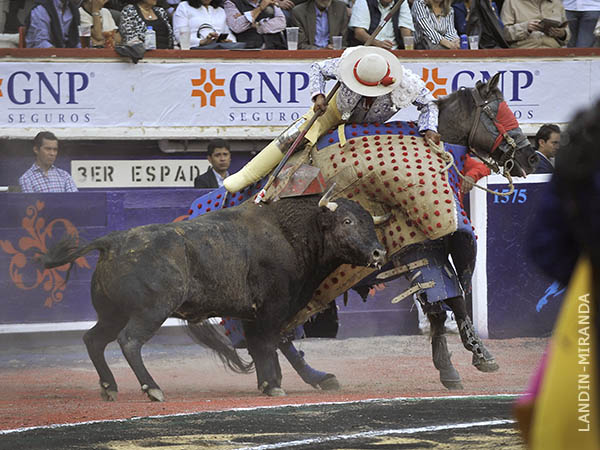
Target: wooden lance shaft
315,116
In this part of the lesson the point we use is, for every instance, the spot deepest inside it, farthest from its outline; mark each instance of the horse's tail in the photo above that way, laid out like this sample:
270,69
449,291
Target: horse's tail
211,335
67,250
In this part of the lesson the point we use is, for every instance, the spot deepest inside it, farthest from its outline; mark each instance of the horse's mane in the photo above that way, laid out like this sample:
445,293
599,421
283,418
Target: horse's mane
463,97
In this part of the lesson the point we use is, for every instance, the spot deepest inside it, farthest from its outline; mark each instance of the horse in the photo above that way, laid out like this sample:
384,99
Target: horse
387,168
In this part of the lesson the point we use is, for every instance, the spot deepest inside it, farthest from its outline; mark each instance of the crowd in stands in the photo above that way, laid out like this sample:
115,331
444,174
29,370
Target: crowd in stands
433,24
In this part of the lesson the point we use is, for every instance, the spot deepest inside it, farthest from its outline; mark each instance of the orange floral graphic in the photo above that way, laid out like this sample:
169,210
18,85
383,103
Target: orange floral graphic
208,87
30,247
435,83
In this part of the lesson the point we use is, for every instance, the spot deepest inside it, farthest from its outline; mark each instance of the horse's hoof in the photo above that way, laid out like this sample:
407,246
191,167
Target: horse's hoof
275,392
329,383
451,379
452,385
108,395
485,365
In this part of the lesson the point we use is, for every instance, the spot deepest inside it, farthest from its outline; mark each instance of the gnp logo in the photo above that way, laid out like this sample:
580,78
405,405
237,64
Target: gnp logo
45,97
512,82
245,87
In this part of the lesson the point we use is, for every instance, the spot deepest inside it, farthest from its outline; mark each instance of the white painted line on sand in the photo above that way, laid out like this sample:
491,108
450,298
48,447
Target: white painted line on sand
255,408
369,434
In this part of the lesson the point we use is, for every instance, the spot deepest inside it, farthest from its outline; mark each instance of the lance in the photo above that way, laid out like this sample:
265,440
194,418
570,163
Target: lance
316,115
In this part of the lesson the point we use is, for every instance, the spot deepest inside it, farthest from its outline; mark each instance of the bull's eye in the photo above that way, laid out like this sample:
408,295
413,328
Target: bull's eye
348,221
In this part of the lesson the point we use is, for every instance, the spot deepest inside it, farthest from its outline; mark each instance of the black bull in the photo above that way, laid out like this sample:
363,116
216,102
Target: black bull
260,264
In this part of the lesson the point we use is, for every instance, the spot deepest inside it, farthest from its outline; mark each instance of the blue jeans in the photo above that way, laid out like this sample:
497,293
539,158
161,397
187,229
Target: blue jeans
581,24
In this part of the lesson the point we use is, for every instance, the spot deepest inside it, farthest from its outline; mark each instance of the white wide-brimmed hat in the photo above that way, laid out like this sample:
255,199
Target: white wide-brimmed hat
370,71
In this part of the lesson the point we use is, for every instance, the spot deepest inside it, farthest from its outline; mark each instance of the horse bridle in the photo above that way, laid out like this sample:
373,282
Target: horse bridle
507,158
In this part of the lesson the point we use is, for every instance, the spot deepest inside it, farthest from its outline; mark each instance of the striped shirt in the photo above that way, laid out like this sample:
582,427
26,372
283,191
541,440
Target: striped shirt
429,27
57,180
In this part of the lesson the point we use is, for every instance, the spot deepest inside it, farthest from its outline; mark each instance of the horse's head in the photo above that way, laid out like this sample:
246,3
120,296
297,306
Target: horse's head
480,118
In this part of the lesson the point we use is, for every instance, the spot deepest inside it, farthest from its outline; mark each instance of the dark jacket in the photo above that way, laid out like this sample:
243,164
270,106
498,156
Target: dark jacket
55,32
375,16
251,37
207,180
305,18
544,165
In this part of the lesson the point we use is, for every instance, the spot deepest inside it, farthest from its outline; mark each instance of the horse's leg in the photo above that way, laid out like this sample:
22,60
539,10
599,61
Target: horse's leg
316,378
439,350
482,358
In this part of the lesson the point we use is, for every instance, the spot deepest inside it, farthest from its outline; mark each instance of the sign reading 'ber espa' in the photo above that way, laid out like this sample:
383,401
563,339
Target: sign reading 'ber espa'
137,173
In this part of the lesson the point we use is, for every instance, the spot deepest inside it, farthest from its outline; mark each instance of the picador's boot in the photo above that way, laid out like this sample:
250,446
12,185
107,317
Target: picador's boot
482,358
441,360
316,378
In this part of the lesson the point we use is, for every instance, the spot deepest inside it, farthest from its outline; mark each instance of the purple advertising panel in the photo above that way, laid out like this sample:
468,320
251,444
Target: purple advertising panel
31,223
521,300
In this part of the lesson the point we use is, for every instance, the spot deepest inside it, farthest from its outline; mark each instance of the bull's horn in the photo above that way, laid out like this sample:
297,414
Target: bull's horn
378,220
325,199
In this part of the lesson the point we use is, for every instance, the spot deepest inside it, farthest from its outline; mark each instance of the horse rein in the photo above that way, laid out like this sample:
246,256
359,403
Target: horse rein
506,160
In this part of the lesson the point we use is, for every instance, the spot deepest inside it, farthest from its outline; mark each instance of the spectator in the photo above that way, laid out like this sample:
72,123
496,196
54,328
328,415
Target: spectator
219,157
547,141
53,23
12,23
104,29
318,21
583,16
136,18
523,28
257,23
205,19
43,175
462,12
366,15
434,25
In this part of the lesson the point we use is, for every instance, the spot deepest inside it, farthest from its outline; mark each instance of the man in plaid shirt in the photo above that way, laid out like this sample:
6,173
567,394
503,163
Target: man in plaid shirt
43,175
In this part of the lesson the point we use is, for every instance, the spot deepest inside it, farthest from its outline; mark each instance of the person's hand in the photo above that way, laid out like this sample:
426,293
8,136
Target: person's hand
388,45
466,184
211,37
534,25
286,4
431,136
558,33
455,44
320,104
375,288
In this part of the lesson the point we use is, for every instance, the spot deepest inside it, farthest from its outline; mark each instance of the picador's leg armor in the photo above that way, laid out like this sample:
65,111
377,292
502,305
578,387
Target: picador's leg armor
316,378
272,154
482,358
441,356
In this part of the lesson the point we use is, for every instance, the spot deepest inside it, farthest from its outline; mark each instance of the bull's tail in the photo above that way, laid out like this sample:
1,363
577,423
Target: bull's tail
211,335
67,250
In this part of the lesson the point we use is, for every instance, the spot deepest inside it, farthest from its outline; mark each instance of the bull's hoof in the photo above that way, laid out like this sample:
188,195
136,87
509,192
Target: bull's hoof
108,394
485,365
329,383
275,392
154,394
